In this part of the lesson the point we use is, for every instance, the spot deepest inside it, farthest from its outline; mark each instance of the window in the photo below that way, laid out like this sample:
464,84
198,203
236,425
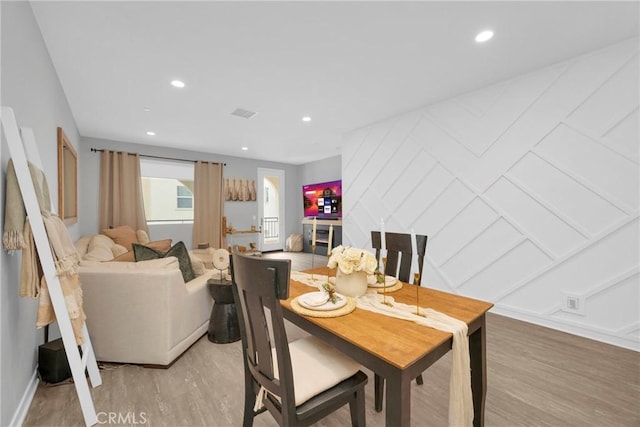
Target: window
167,187
185,198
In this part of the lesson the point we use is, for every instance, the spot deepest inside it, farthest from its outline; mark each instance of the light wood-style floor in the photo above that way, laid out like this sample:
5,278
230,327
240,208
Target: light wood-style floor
536,377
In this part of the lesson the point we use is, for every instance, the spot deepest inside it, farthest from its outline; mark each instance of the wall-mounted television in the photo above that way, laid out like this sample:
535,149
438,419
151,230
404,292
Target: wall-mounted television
322,200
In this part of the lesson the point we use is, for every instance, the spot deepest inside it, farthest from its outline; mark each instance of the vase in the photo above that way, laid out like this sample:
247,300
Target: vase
353,285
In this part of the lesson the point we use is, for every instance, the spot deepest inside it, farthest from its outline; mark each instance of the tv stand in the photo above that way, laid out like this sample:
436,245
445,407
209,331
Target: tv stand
322,234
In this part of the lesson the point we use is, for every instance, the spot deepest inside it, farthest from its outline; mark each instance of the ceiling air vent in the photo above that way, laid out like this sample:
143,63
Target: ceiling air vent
245,114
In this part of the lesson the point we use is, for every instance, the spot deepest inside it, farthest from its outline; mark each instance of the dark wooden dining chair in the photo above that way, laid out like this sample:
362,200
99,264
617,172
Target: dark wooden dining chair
398,265
299,382
399,251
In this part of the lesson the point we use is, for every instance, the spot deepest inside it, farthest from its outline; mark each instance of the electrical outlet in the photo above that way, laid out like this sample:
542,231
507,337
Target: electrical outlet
572,303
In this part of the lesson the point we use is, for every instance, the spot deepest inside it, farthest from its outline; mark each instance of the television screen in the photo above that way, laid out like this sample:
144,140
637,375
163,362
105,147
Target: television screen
322,200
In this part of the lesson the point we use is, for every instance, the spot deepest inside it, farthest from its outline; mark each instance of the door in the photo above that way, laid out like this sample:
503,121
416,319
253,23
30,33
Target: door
270,196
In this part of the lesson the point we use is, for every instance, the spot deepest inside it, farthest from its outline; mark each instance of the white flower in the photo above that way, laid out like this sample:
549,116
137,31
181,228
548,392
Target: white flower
349,259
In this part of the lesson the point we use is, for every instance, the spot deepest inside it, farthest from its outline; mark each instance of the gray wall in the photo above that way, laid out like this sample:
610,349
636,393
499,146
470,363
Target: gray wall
31,87
239,213
320,171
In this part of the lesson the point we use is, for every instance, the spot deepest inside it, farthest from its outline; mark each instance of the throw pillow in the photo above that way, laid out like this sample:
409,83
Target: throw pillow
179,250
205,255
118,250
99,249
197,264
123,235
143,237
82,244
159,245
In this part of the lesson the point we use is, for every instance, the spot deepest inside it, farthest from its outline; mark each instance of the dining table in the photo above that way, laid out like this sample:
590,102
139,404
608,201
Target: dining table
399,350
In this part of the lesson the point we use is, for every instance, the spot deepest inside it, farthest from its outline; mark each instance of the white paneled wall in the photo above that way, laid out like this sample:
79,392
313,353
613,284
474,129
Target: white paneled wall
528,191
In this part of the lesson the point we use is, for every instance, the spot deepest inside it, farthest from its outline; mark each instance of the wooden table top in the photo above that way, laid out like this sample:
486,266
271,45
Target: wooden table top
397,341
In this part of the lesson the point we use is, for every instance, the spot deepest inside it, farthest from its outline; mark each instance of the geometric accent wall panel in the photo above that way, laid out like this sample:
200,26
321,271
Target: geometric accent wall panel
623,135
550,233
592,163
623,289
582,273
486,249
436,215
523,260
477,133
461,230
585,210
528,191
403,187
611,102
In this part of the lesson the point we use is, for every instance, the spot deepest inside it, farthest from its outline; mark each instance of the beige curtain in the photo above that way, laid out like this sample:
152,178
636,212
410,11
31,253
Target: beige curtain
121,200
208,205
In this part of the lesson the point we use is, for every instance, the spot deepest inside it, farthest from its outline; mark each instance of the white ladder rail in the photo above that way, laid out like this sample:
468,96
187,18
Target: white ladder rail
89,362
17,152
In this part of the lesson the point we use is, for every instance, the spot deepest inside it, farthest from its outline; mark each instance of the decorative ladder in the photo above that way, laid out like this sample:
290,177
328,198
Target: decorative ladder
22,142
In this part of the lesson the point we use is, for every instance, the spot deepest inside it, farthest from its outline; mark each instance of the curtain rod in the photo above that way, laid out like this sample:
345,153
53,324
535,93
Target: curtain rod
100,150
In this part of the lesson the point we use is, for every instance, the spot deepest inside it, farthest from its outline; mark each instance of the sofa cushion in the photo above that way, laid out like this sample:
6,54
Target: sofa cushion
179,250
99,249
123,235
168,263
159,245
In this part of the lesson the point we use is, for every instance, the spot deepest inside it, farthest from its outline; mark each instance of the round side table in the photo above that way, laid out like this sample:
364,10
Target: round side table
223,324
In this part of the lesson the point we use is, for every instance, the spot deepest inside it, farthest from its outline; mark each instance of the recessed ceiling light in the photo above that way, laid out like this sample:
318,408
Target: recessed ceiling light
177,83
245,148
151,133
147,109
306,119
484,36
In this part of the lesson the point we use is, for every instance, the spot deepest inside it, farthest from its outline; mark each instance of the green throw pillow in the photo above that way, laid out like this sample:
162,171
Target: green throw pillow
179,250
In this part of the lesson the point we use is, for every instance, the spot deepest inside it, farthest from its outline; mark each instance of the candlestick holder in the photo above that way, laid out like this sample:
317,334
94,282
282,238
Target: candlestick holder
384,285
313,257
416,281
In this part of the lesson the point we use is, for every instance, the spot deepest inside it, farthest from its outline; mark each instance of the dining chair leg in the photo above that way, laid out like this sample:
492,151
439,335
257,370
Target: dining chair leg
378,382
419,380
249,403
356,406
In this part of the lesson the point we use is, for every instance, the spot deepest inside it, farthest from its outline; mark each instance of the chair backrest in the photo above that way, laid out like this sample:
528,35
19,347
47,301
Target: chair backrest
259,284
399,253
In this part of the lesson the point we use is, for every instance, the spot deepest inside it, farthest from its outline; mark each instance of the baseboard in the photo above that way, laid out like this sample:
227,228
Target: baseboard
25,403
566,326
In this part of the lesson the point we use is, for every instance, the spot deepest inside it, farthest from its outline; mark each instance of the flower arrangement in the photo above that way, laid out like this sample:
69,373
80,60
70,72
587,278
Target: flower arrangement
349,259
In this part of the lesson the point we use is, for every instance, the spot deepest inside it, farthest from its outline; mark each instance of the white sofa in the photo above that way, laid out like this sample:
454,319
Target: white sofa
143,312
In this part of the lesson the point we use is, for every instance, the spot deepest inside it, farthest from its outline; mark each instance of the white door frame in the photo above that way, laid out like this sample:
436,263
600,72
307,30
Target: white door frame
279,173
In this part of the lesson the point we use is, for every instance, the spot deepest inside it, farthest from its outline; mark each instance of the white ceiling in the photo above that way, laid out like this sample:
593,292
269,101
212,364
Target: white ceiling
346,64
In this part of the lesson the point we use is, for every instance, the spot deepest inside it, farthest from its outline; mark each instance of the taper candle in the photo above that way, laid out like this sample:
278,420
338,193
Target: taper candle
330,240
414,253
313,232
381,265
383,241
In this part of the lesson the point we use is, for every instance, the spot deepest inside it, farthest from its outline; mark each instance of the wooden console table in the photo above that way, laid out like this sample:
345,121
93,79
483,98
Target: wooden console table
322,235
